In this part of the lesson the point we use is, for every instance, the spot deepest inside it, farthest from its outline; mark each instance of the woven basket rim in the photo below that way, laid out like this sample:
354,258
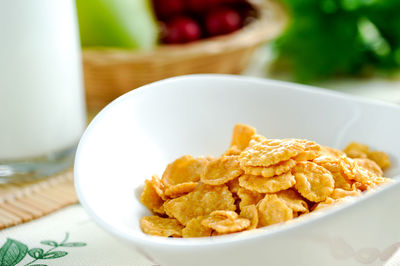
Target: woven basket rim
271,22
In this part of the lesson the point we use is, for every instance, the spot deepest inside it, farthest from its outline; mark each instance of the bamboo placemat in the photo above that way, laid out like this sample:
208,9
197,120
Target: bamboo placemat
20,203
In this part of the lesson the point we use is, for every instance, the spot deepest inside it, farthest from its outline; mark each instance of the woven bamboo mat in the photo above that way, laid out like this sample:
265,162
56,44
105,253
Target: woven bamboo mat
20,203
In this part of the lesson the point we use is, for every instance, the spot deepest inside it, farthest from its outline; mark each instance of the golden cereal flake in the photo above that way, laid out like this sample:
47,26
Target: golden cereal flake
242,135
370,165
324,204
233,185
272,210
381,158
158,226
330,163
194,228
232,151
250,212
334,165
341,193
267,185
225,222
329,202
293,200
312,151
270,152
221,170
158,186
331,152
180,189
306,156
341,181
276,169
200,202
314,182
364,178
357,150
184,169
248,197
151,199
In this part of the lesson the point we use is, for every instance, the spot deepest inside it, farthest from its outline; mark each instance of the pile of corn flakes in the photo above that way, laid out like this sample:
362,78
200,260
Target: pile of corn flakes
257,182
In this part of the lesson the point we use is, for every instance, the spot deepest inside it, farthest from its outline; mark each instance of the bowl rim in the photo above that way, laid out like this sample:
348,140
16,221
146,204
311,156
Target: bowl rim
241,237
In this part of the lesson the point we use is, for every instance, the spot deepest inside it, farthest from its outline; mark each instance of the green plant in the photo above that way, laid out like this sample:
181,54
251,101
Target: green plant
328,38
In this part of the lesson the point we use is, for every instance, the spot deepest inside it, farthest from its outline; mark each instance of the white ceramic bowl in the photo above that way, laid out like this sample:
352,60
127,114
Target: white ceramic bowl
138,134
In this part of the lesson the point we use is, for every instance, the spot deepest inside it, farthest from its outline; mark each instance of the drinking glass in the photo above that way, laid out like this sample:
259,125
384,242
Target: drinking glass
42,108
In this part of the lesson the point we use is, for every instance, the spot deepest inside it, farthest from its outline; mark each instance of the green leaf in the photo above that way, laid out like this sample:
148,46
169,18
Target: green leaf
36,253
12,252
73,244
54,255
49,243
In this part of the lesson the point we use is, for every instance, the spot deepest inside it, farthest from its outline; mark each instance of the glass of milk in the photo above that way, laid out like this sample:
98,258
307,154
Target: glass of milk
42,110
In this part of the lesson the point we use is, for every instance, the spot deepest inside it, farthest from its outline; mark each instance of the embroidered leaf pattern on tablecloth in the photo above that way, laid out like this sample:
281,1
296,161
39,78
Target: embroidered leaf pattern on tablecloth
12,252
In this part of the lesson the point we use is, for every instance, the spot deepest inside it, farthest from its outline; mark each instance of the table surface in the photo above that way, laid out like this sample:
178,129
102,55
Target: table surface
87,244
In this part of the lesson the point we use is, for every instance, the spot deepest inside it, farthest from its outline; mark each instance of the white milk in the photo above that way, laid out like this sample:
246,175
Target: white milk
41,93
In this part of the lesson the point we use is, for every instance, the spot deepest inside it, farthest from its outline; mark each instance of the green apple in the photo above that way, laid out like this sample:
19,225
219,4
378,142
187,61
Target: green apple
117,23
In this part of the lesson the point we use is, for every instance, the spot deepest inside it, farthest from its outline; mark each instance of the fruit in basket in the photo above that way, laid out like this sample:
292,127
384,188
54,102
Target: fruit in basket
133,24
117,23
181,29
222,21
203,18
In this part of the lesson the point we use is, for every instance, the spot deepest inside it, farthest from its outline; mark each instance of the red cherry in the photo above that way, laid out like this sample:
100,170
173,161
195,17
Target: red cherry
168,8
181,30
222,21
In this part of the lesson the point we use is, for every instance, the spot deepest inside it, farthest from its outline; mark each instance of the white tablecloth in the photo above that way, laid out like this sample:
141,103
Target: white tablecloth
87,244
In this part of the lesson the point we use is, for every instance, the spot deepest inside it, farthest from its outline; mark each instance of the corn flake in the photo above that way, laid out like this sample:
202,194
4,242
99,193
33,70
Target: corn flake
194,228
312,151
357,150
331,152
267,185
225,222
180,189
272,210
293,200
270,152
222,170
242,135
276,169
381,158
233,185
158,186
184,169
248,197
329,202
250,212
200,202
363,178
341,193
334,165
158,226
370,165
314,182
151,199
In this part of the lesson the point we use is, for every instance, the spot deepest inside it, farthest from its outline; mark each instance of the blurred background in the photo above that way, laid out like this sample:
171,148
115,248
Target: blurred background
346,45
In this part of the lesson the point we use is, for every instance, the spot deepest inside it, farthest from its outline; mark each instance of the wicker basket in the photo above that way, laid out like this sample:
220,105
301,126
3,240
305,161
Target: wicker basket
109,73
